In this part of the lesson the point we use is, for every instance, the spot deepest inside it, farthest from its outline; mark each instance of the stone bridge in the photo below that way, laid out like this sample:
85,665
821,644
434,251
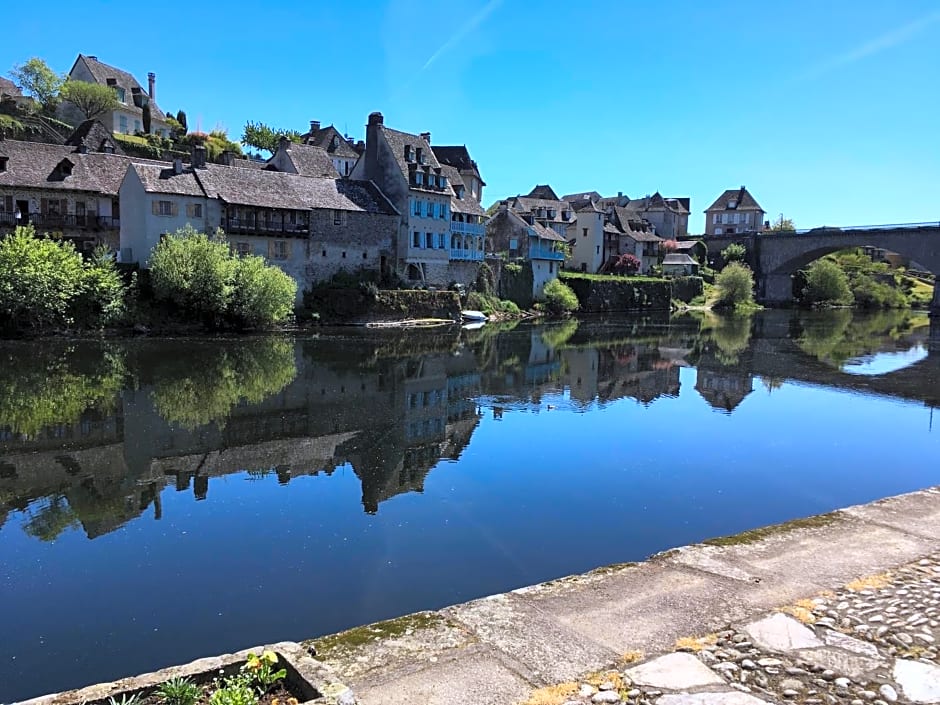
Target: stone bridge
775,257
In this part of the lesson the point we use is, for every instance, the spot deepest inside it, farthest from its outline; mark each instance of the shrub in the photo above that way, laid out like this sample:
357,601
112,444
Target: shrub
262,295
179,691
102,298
627,264
735,284
39,279
560,298
826,283
735,252
870,293
485,282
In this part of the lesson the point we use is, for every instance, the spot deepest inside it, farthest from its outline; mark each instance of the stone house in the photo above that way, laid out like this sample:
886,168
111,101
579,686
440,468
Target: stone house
128,117
406,170
343,151
519,238
587,237
632,234
459,158
302,159
467,229
670,216
734,211
310,227
677,264
71,189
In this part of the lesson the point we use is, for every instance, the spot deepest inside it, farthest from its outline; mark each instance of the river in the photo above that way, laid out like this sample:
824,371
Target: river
165,499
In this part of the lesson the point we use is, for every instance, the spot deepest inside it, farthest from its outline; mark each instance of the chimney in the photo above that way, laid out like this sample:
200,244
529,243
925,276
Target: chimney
152,85
93,58
374,126
177,166
314,125
228,157
82,149
426,136
199,157
283,143
619,194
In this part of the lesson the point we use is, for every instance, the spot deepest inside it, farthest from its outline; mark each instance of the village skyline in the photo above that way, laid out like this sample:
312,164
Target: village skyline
857,161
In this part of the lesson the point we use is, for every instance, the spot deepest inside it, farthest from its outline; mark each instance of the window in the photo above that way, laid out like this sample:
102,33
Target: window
339,217
164,208
419,178
551,267
432,180
716,218
445,210
137,127
242,249
122,123
718,231
583,232
598,250
193,210
742,218
416,239
323,254
3,163
120,93
429,240
365,255
344,254
416,207
732,203
279,249
430,210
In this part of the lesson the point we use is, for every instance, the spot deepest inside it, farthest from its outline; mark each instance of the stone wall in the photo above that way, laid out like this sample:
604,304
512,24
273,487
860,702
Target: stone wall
620,295
686,288
516,284
356,306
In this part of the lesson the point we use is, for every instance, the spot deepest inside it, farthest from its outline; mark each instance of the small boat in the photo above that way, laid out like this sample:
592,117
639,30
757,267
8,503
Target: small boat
473,316
475,325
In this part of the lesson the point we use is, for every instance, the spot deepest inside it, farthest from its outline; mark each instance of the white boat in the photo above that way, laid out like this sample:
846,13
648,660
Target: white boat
476,325
473,316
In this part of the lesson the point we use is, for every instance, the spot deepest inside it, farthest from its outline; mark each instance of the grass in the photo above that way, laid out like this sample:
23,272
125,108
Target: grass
565,274
872,582
631,656
921,293
802,610
553,694
327,646
599,677
612,568
755,535
695,644
132,139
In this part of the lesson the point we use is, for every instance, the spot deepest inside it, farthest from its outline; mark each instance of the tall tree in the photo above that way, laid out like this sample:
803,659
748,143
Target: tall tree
782,225
37,80
181,119
147,117
91,99
260,136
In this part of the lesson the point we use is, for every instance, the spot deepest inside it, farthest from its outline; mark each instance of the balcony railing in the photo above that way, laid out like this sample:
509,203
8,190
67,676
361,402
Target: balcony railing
262,227
469,255
61,222
545,253
467,228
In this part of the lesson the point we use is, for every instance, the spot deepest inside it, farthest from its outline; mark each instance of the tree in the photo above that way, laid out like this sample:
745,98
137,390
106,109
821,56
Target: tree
735,285
827,283
560,298
91,99
260,136
147,117
782,225
37,80
627,264
181,119
262,295
735,252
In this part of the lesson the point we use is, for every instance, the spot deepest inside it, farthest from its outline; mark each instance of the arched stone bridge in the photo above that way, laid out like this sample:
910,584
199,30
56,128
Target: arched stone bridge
775,257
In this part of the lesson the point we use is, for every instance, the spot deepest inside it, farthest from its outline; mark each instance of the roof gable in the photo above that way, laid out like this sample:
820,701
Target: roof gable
332,141
741,199
459,158
101,72
543,191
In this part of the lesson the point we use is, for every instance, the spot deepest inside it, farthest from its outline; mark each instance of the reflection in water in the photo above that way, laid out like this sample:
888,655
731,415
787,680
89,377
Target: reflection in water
94,436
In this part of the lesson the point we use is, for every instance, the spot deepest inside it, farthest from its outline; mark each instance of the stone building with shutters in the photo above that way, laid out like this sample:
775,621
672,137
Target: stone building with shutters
310,227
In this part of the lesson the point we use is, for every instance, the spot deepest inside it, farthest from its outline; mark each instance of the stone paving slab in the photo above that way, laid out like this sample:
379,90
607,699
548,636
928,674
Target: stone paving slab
550,651
678,671
906,512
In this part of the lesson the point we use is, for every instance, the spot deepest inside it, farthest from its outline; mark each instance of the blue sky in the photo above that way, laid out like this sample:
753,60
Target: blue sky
828,112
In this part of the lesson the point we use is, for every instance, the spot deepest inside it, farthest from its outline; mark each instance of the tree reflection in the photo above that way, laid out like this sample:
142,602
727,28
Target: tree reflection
837,335
53,384
205,386
52,517
731,335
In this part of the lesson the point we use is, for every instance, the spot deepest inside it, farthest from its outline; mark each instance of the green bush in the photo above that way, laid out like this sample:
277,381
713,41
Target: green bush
201,276
735,284
827,283
262,295
870,293
735,252
559,298
44,282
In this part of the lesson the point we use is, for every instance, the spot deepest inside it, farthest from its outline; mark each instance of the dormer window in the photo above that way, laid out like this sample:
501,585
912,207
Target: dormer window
432,180
551,212
443,180
335,141
460,192
733,203
409,155
65,168
3,163
419,178
420,155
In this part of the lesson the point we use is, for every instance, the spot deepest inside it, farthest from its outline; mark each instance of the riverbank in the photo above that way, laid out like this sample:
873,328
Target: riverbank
502,649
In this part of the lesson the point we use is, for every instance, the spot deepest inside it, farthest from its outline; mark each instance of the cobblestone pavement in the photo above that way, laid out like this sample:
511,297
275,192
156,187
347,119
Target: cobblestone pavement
872,642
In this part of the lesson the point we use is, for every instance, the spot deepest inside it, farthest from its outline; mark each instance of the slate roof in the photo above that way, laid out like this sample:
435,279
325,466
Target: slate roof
102,72
274,189
543,191
678,258
309,160
745,201
459,158
467,204
526,204
332,141
162,178
244,163
35,165
633,225
93,136
658,202
689,244
7,87
584,196
544,233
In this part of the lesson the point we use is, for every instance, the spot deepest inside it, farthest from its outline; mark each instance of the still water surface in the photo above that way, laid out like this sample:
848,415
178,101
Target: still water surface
162,500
